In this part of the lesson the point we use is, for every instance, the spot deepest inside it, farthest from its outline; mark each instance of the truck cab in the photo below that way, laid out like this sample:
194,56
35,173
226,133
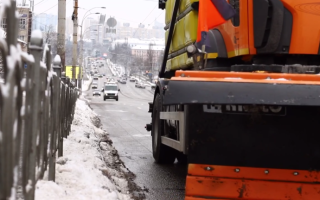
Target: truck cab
263,32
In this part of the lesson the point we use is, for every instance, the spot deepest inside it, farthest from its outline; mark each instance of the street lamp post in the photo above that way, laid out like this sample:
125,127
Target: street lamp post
81,36
81,49
80,60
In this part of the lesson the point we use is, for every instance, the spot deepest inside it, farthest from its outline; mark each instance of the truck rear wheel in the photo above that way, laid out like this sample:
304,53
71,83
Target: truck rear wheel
161,153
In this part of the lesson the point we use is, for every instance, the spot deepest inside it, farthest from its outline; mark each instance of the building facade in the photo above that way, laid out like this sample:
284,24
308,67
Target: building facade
43,22
139,32
25,21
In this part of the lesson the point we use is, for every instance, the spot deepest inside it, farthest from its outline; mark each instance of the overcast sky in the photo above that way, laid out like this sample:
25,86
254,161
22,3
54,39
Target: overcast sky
132,11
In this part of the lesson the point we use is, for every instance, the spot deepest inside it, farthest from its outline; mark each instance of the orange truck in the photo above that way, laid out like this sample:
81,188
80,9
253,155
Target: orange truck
242,109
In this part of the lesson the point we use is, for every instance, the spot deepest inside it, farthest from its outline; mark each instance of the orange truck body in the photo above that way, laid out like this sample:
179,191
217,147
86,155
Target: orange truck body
305,37
257,61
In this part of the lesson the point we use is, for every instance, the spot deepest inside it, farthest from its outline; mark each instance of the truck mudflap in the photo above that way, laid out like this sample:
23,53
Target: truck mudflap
227,182
203,87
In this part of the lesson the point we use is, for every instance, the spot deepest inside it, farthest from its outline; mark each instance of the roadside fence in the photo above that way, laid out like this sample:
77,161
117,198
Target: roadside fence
36,110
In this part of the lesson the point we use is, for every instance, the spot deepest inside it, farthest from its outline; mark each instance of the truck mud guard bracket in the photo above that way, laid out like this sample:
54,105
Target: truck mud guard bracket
180,143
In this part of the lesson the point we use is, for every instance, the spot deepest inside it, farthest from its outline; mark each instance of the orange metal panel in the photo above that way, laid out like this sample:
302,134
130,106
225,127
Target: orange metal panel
305,31
250,189
199,198
254,173
305,36
236,37
236,80
278,78
225,182
252,49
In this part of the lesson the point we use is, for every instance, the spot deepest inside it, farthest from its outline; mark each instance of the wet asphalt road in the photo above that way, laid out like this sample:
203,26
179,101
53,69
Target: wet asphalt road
125,121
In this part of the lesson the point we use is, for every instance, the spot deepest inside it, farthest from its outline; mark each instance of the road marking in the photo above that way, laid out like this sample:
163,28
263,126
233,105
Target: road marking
139,108
115,111
141,135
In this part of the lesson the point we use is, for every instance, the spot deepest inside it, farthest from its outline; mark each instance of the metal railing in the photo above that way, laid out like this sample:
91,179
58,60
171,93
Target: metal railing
36,112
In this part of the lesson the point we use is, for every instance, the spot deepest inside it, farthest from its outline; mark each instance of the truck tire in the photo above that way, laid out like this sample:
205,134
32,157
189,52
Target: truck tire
161,153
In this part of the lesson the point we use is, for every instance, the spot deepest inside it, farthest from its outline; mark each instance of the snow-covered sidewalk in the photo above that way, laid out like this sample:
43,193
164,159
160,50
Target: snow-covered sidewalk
90,167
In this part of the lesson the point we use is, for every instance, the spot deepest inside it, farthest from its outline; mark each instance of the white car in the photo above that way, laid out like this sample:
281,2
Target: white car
140,85
153,86
132,79
110,91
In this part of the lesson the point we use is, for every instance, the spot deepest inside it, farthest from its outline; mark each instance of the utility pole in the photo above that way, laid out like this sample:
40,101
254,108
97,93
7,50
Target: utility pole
98,35
75,40
61,32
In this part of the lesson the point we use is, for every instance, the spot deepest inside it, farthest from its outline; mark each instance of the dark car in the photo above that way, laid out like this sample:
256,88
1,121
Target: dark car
96,93
94,86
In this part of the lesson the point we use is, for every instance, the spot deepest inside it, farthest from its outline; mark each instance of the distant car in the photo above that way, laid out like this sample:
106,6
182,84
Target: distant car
96,93
100,75
132,79
140,85
122,81
94,86
153,86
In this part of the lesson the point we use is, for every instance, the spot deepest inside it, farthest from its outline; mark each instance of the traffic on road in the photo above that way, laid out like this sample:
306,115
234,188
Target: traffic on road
122,107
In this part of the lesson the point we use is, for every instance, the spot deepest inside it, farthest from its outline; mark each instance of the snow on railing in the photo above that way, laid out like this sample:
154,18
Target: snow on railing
36,112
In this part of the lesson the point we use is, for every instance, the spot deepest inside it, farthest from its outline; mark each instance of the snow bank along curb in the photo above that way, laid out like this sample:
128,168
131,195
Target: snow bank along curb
90,167
87,84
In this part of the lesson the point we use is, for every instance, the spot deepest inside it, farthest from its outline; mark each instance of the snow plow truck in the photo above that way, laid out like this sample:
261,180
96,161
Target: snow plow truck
238,98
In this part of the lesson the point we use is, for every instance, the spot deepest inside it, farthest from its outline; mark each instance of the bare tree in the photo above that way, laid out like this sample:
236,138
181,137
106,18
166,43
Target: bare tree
136,64
68,53
49,34
120,53
150,60
50,37
159,60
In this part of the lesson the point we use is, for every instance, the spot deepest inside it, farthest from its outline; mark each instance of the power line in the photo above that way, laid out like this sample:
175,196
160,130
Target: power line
44,12
40,2
149,14
144,20
47,10
157,17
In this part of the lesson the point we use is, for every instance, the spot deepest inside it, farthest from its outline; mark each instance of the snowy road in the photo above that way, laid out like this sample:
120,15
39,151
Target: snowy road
125,121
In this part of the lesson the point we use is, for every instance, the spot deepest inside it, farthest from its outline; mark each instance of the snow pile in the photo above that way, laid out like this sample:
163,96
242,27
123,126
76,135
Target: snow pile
90,168
86,84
